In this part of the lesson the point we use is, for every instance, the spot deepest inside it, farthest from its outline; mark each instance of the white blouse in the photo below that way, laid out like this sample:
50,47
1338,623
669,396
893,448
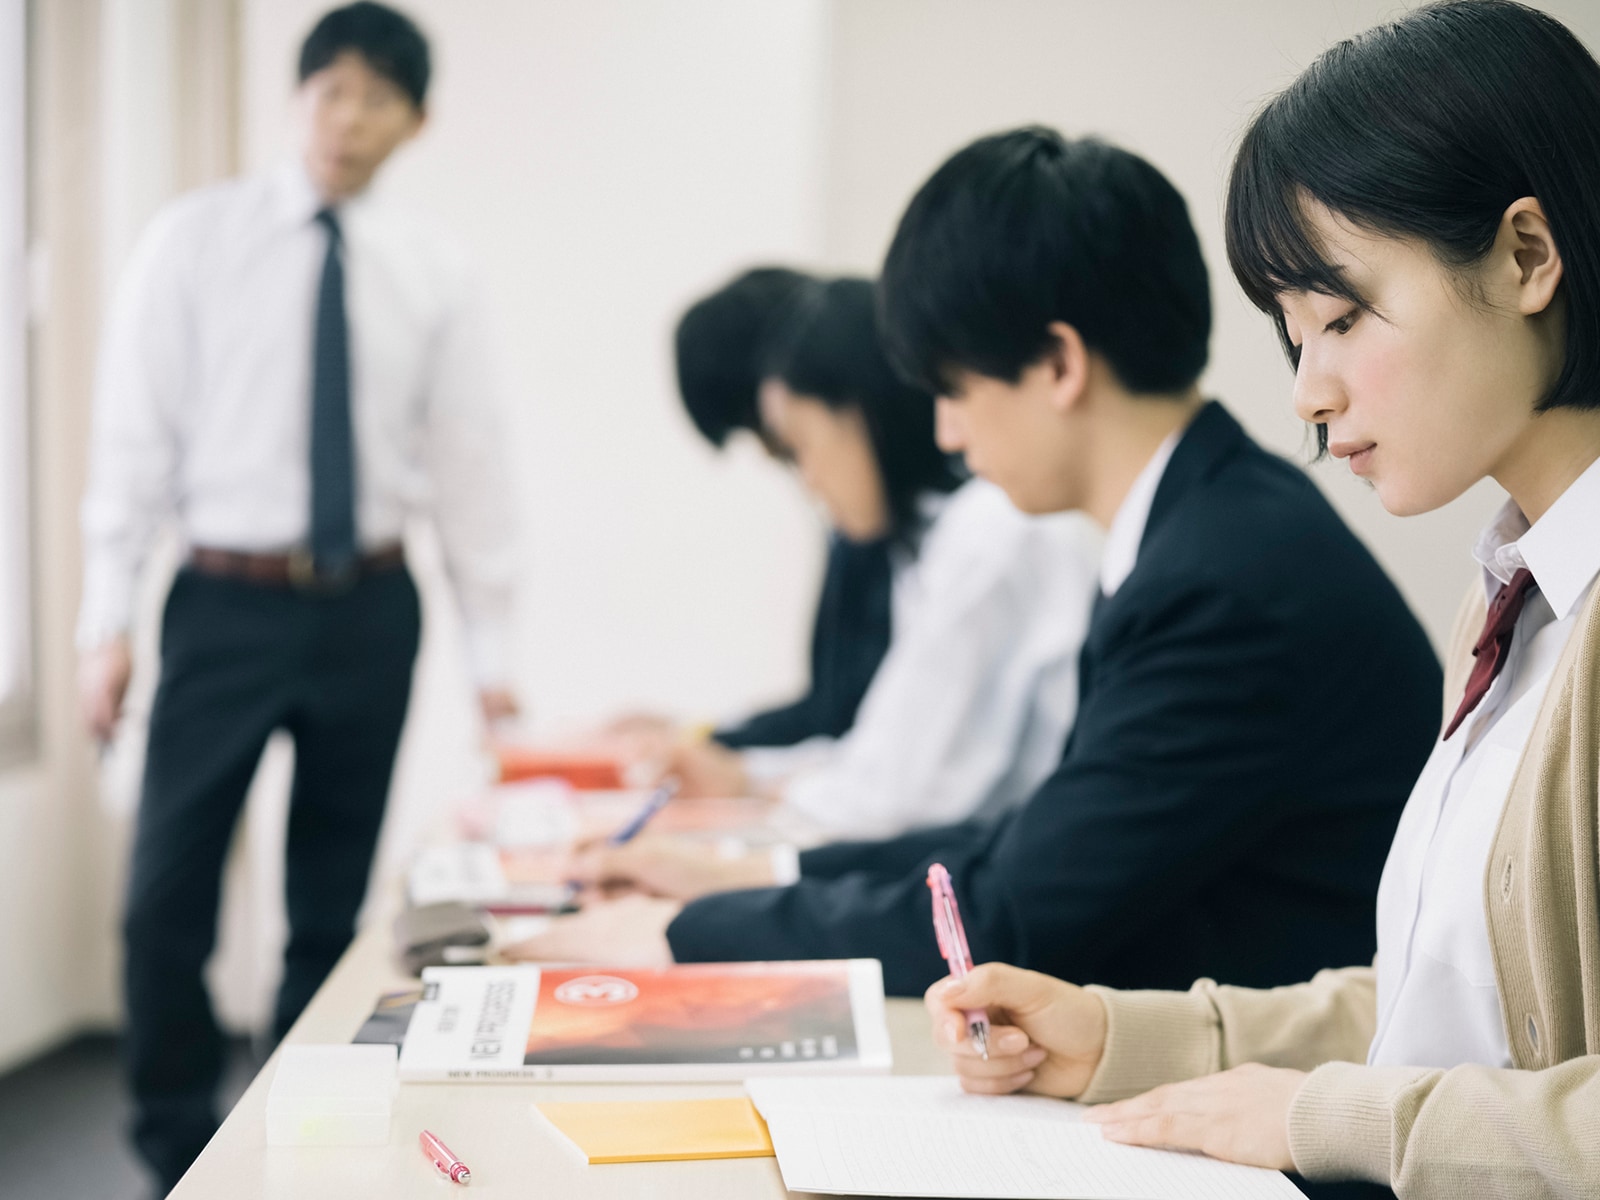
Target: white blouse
1438,1004
970,709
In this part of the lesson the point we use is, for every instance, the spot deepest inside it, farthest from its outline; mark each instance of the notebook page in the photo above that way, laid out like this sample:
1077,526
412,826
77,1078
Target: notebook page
902,1093
924,1137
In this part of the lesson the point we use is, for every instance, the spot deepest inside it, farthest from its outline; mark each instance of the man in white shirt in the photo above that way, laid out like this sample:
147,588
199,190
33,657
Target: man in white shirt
290,371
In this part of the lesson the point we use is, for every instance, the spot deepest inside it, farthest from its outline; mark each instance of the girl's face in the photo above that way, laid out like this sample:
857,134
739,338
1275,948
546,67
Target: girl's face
833,451
1432,386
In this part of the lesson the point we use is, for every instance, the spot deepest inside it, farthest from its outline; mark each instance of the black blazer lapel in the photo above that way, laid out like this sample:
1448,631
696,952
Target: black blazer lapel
1213,437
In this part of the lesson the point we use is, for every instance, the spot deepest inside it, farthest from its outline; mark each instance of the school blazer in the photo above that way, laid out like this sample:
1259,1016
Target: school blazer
849,637
1255,702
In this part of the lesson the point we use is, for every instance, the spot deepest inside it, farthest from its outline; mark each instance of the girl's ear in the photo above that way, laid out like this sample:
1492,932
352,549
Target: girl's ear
1069,362
1533,259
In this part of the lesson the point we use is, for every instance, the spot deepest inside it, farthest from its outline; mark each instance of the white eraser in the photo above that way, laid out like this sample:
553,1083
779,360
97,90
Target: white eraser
332,1095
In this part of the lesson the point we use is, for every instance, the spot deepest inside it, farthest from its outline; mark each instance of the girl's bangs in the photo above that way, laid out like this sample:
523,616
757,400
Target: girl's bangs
1271,246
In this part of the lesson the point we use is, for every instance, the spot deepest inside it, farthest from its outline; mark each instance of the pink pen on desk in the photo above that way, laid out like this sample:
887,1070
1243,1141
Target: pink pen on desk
444,1158
952,937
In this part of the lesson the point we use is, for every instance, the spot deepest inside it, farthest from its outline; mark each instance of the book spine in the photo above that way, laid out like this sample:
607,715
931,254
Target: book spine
640,1072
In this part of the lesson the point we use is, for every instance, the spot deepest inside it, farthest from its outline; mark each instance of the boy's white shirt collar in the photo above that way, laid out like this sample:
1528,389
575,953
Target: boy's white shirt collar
1133,514
298,201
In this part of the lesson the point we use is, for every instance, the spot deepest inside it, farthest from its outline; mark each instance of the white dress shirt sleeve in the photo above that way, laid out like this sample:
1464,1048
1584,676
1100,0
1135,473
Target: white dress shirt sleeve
134,441
768,766
473,508
985,661
785,861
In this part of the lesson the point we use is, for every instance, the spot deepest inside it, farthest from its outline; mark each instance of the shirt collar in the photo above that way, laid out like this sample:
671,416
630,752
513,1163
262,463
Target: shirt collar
1127,527
1560,549
297,201
294,198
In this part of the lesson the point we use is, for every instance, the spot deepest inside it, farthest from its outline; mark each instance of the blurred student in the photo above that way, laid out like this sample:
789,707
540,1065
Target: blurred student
971,706
1431,258
721,346
1202,820
290,370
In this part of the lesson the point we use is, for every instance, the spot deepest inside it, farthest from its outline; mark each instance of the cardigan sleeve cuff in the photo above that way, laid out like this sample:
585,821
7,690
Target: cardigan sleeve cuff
1152,1038
1341,1122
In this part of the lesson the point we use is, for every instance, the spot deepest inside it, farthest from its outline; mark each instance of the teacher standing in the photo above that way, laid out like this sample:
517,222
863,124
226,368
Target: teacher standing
291,371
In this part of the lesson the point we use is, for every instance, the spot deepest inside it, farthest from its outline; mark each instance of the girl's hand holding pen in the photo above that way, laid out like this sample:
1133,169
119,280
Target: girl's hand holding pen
1045,1036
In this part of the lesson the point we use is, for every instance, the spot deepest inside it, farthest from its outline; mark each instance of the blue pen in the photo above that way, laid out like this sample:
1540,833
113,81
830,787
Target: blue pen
656,801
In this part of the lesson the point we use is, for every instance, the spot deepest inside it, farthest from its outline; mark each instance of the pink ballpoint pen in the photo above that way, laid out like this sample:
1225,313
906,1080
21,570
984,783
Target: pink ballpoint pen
444,1158
952,937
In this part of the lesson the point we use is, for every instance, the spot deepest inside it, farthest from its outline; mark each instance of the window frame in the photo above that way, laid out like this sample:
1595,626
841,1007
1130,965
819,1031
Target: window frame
18,706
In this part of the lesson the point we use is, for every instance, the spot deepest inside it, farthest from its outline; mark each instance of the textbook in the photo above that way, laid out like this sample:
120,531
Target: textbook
692,1022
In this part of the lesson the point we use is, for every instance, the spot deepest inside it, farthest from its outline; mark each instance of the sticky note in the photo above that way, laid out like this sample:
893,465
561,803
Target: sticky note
618,1131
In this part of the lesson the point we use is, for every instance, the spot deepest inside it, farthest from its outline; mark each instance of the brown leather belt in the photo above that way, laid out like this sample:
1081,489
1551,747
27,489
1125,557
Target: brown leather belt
294,569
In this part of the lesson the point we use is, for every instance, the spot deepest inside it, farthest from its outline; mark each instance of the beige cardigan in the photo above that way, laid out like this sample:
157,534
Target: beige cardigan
1468,1131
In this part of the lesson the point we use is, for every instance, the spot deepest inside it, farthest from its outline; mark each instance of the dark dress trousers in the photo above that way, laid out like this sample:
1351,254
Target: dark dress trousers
1255,702
240,660
849,638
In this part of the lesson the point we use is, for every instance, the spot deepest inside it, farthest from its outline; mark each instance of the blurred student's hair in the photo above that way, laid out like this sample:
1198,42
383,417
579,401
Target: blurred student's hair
388,40
721,348
1024,228
827,348
1429,128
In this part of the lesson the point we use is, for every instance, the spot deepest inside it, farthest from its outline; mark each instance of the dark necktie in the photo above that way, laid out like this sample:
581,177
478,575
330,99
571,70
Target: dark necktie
333,468
1494,643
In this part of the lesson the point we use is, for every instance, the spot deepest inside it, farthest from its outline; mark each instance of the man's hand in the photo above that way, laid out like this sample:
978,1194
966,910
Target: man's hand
642,742
668,866
1240,1115
1045,1036
103,675
631,932
497,704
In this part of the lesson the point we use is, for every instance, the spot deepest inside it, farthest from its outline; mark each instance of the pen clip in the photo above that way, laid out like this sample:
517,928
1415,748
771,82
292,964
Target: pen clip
958,936
941,930
944,930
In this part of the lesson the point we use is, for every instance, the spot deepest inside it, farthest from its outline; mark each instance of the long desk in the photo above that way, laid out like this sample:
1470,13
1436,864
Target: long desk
511,1152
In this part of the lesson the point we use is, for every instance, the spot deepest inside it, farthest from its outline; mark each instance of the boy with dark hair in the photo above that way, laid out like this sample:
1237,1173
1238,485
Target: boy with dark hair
1199,822
291,371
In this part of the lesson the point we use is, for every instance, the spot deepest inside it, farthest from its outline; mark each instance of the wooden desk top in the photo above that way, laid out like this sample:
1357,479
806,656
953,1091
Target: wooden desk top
491,1127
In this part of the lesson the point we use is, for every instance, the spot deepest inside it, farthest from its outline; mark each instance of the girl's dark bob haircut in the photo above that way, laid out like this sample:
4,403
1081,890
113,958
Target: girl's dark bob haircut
825,346
1430,128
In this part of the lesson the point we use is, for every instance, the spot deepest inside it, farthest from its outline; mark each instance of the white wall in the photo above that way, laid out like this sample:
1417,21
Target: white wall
1174,80
41,977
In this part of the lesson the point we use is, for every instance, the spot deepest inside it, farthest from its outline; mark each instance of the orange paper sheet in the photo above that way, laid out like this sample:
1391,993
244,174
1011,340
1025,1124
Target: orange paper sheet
581,770
619,1131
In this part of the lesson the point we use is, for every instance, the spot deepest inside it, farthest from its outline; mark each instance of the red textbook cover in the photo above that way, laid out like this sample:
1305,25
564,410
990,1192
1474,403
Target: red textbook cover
689,1022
